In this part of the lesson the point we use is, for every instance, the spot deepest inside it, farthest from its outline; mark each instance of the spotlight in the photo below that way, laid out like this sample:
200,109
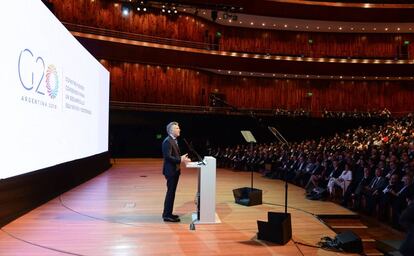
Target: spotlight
125,10
175,11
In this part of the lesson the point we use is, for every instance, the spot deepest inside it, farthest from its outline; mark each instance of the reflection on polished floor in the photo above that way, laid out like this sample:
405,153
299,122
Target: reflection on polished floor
119,213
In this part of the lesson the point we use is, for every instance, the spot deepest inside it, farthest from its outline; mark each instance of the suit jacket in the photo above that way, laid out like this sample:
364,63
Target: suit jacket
402,194
407,222
364,182
172,158
301,166
379,185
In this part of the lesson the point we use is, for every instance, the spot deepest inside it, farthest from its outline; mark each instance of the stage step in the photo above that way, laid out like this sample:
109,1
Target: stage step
353,223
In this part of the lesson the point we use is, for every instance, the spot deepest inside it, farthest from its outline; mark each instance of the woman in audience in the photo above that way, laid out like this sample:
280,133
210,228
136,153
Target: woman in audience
342,181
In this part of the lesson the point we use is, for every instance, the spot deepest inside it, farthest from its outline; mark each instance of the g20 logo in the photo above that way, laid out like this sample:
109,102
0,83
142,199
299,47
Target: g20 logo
32,71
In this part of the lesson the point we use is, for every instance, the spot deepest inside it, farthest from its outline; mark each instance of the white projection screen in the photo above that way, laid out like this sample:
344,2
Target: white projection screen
54,98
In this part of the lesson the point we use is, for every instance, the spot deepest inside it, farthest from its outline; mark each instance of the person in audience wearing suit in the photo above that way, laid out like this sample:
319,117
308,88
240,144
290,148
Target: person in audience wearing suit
407,222
373,191
400,202
171,169
388,196
356,194
298,170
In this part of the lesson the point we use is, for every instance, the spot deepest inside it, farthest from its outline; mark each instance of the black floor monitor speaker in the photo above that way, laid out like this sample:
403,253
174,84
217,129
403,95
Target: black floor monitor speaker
247,196
349,242
278,228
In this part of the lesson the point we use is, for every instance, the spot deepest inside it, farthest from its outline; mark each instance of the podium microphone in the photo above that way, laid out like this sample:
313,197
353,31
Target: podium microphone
199,159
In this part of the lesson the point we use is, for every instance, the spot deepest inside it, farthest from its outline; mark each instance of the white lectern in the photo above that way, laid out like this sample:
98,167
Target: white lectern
206,205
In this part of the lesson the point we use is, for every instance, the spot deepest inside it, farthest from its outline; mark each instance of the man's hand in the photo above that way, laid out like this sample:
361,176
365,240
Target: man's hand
185,159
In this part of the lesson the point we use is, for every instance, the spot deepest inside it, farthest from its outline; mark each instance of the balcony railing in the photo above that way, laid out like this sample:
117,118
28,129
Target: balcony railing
253,112
138,37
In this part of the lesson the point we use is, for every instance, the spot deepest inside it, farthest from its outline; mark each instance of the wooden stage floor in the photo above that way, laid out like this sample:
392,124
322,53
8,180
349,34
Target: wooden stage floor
119,213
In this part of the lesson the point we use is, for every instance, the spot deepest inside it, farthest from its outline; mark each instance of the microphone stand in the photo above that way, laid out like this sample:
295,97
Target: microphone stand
282,140
200,162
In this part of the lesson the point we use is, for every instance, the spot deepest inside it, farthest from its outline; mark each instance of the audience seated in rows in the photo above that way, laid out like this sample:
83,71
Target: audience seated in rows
367,169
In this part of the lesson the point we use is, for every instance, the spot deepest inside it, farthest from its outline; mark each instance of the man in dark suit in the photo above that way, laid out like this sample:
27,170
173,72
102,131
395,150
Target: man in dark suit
171,169
400,202
407,222
372,192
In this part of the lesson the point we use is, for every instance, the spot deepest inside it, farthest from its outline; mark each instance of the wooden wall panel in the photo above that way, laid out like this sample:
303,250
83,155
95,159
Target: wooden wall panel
322,45
190,28
109,16
154,84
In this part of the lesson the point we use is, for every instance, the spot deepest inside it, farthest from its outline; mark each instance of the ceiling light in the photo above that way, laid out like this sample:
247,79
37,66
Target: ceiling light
125,11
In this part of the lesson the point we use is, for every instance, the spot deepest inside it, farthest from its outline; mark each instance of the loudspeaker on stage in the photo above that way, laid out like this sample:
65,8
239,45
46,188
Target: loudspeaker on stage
349,242
278,228
247,196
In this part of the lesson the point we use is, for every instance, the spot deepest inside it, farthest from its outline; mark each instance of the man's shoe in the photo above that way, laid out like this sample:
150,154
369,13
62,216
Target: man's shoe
171,219
175,216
